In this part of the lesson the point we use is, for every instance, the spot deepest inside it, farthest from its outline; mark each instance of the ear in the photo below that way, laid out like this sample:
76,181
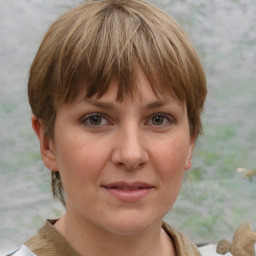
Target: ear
190,153
47,147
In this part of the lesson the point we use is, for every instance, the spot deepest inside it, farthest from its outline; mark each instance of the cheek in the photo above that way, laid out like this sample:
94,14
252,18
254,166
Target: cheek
79,161
169,163
75,150
171,156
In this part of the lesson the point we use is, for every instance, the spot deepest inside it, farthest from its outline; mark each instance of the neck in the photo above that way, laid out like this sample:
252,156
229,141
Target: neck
88,239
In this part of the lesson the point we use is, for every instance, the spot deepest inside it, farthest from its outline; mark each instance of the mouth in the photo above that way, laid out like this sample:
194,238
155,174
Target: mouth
128,192
128,186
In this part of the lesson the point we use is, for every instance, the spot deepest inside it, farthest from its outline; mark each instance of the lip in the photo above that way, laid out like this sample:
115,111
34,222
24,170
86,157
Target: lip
128,192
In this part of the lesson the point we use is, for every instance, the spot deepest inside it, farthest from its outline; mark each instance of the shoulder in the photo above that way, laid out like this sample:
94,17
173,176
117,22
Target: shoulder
43,243
181,242
22,251
49,242
184,246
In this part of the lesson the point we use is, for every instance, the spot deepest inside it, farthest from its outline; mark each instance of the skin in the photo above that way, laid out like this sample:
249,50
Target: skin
142,139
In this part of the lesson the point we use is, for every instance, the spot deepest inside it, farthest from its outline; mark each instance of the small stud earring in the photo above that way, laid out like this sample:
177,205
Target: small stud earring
189,161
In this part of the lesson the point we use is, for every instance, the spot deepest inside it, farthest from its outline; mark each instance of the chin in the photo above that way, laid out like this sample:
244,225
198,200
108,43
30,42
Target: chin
132,224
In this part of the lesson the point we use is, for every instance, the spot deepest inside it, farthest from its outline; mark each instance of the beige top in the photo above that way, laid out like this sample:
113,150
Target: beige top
49,242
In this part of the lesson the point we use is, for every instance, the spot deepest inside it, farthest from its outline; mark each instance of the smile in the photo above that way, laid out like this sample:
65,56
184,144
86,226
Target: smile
128,192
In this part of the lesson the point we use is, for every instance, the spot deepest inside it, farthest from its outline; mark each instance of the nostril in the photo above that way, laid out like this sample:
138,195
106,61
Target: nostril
130,166
121,164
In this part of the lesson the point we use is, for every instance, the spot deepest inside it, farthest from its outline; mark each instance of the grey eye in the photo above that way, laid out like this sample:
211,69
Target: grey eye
95,120
158,120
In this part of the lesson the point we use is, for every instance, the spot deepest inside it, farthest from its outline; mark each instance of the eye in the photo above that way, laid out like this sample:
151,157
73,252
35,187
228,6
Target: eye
161,119
95,120
158,120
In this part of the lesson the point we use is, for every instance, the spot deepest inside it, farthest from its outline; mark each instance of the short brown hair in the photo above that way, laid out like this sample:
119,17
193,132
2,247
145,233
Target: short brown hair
86,47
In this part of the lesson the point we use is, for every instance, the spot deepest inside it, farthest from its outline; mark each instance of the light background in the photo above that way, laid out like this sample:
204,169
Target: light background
215,199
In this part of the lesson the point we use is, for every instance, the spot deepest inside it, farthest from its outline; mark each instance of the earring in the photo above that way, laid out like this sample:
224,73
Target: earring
188,162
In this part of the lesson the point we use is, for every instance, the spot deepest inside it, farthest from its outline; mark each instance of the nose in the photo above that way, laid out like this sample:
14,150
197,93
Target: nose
130,149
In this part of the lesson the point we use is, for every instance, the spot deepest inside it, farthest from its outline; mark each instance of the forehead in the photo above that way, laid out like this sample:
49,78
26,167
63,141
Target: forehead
140,88
144,96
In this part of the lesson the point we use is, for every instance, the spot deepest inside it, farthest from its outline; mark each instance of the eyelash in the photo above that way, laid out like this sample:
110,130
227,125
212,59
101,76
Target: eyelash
168,120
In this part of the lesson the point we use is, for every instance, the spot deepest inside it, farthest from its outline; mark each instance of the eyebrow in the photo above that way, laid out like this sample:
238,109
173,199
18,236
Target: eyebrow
156,104
99,104
109,105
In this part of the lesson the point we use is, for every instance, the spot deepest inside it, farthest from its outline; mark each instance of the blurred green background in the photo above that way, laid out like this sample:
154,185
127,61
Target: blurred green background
214,199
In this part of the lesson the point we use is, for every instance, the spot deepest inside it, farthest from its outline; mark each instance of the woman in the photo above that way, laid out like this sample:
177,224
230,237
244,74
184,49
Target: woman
116,91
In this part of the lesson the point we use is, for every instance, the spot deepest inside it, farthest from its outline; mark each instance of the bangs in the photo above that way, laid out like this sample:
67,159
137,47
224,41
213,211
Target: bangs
116,42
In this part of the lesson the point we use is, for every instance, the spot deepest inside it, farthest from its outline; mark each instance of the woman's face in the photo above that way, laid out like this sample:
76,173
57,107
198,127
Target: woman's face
122,163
